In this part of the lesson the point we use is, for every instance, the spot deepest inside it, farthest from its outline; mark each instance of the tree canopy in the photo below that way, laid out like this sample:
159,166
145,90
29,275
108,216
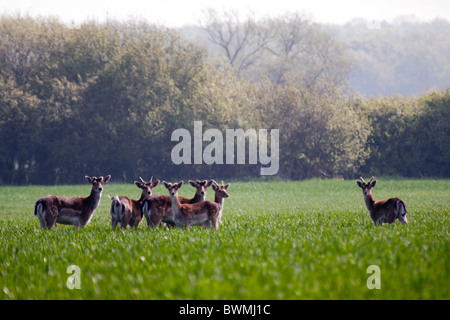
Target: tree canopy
105,99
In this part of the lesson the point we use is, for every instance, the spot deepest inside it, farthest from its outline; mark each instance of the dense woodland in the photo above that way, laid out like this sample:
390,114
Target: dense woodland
104,98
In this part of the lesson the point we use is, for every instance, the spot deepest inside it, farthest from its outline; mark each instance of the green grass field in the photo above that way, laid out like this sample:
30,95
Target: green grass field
278,240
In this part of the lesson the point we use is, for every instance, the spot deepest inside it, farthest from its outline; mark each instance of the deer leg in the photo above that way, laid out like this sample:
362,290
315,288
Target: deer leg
114,223
43,221
207,224
137,220
149,223
50,219
216,223
169,225
403,219
124,222
154,221
379,222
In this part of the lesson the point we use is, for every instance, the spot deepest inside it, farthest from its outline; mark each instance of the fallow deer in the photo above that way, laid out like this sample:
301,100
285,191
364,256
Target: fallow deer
205,213
158,208
128,211
220,194
383,210
76,211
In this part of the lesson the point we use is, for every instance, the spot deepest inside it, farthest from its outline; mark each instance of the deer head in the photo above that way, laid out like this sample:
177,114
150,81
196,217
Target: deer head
201,186
366,187
97,183
220,190
173,188
146,186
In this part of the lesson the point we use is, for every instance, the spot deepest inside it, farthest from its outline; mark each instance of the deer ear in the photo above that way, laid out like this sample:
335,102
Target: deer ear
107,178
226,186
88,179
210,182
192,183
359,184
372,184
154,184
180,184
166,185
138,184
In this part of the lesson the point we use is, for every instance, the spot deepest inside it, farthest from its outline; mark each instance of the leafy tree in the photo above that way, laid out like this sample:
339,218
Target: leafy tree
105,98
320,135
430,137
409,137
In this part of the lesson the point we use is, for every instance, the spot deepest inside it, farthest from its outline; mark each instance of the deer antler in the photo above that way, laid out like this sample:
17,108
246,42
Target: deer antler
371,179
362,180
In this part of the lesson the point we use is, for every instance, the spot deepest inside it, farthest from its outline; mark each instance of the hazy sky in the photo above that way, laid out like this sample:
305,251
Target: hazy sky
175,13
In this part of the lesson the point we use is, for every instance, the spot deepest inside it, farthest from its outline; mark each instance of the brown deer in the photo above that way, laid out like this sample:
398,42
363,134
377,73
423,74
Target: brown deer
128,211
205,213
158,208
220,194
77,211
383,210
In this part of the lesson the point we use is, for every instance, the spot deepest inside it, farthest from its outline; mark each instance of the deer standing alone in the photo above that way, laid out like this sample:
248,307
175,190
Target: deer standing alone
129,211
158,208
204,213
383,210
77,211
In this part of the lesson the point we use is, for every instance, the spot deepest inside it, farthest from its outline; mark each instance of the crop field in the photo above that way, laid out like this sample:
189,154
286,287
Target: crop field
311,239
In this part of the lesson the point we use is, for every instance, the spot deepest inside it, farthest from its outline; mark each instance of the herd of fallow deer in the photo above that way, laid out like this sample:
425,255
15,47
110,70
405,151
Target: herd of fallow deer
174,210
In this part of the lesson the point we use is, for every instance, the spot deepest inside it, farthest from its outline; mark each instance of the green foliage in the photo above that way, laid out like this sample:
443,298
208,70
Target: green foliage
409,137
315,241
104,99
431,134
100,98
320,134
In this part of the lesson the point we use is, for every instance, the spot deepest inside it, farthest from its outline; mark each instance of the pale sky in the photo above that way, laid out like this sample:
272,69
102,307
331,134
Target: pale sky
176,13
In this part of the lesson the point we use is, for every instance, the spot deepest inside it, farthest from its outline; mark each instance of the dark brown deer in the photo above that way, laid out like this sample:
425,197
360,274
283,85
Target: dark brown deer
158,208
383,210
129,211
205,213
77,211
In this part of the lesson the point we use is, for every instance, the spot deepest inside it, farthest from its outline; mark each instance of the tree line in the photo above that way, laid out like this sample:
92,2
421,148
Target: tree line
101,99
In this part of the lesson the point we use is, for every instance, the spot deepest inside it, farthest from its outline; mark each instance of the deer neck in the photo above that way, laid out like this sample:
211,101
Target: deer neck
175,204
198,198
219,200
142,197
91,203
94,199
369,201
